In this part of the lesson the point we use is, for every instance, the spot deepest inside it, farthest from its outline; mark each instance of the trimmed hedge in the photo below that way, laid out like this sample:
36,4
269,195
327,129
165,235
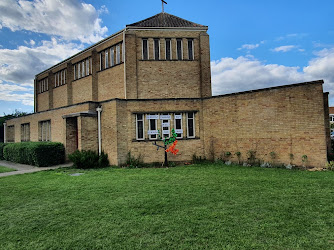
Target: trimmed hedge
2,145
40,154
89,159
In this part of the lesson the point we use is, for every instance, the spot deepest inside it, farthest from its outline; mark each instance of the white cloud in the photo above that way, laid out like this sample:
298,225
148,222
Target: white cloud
285,48
323,67
22,64
16,93
231,75
250,46
70,19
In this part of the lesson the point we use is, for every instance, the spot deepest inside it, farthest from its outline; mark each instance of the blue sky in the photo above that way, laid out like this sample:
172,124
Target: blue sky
254,44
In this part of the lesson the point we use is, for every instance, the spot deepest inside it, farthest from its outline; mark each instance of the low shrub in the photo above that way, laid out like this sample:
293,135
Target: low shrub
2,145
89,159
40,154
133,162
199,159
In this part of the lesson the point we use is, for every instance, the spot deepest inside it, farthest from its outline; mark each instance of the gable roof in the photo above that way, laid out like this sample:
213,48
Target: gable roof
166,20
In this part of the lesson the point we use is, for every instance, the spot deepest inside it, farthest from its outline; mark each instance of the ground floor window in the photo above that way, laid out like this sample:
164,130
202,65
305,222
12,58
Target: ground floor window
162,123
44,131
140,127
152,126
10,133
178,125
25,132
191,125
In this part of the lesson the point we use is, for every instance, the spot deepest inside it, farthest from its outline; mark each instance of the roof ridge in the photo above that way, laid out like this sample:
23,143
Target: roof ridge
164,19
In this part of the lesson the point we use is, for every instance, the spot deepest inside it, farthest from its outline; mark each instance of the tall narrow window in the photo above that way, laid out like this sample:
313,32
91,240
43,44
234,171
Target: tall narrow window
25,132
47,84
87,67
65,76
74,72
168,46
191,49
101,61
153,126
140,127
145,49
179,48
56,80
79,71
165,125
61,78
178,125
112,57
11,133
45,131
191,125
118,54
106,59
83,69
156,49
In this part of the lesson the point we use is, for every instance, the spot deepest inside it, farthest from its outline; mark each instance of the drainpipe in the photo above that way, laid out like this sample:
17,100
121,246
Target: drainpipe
99,110
4,132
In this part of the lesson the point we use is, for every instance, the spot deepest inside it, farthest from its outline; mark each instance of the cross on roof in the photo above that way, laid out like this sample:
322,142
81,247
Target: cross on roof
163,2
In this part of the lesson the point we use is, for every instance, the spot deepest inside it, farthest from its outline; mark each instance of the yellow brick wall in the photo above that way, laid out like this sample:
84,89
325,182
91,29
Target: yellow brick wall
119,130
58,133
285,121
111,83
82,90
148,79
43,101
59,96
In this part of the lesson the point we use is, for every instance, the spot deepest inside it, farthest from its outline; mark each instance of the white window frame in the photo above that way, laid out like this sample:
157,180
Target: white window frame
56,79
194,128
61,78
162,130
178,137
170,49
177,57
154,46
118,54
47,84
147,48
143,120
156,127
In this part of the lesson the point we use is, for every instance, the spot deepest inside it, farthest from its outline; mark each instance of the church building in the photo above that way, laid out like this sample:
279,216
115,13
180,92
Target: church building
155,75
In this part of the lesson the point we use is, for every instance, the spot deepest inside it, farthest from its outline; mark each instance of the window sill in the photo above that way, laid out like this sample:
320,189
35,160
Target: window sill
79,79
110,67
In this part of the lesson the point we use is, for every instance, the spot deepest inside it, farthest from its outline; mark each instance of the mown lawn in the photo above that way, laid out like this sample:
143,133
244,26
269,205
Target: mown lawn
197,207
5,169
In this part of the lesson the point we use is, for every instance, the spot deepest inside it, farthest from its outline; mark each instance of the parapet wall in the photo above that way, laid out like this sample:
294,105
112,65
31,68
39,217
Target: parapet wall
288,121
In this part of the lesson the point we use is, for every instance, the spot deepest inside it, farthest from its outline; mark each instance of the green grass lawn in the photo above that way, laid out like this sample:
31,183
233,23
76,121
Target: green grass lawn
5,169
197,207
